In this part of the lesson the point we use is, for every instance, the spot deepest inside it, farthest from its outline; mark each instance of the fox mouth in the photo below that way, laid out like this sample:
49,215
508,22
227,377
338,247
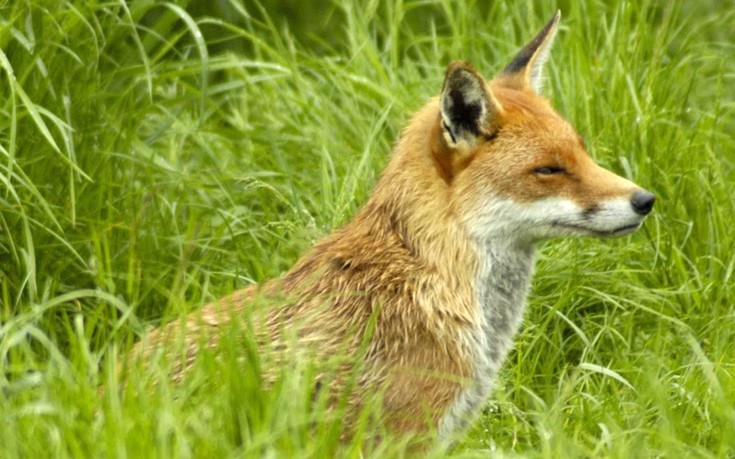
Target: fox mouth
627,229
620,231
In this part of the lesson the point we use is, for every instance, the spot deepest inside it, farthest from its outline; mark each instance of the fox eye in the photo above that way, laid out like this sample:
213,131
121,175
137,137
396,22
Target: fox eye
549,170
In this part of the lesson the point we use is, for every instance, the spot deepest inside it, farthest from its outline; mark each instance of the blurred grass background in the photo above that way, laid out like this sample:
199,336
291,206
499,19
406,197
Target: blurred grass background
156,155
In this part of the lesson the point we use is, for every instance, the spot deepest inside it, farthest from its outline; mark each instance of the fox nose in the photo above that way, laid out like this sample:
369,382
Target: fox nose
642,202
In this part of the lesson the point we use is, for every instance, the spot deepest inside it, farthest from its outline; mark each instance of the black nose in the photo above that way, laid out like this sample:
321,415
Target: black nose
642,202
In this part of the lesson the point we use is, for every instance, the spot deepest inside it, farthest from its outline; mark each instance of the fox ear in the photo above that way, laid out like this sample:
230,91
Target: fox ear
465,104
525,70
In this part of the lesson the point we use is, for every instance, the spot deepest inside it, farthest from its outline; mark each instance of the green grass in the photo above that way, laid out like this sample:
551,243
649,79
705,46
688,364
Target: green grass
156,156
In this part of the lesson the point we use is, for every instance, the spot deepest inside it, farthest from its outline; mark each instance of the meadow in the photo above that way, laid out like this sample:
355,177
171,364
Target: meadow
156,156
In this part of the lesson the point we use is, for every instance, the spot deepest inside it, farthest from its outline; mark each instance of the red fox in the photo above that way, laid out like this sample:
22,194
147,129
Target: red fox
431,276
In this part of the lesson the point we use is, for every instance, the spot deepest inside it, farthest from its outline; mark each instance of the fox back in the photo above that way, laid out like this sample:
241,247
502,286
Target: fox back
432,274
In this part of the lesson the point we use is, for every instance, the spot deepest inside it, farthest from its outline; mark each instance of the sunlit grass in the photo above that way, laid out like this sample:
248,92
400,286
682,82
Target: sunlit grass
154,157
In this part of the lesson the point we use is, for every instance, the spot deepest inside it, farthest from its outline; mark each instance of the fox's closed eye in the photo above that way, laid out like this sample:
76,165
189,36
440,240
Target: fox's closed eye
549,170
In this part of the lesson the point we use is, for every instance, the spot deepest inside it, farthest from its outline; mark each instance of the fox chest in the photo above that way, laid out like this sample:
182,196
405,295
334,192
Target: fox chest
501,291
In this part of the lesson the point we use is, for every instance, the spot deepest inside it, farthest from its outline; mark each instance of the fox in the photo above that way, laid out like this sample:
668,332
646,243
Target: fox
427,284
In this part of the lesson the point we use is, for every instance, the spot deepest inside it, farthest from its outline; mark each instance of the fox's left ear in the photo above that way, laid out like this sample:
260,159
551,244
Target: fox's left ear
467,105
525,70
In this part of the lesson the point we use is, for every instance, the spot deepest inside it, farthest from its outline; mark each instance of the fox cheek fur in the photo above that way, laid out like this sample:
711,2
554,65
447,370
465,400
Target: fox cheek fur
443,250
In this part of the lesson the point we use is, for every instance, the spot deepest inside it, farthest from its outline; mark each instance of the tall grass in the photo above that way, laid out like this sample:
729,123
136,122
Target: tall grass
154,156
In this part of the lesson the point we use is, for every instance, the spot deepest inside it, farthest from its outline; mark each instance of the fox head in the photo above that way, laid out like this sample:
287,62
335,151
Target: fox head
518,169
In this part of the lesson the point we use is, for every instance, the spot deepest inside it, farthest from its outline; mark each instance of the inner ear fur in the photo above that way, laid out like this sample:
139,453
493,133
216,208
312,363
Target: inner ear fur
467,105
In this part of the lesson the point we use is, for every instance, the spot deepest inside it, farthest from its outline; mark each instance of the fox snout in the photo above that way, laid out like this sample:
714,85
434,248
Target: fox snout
618,217
642,202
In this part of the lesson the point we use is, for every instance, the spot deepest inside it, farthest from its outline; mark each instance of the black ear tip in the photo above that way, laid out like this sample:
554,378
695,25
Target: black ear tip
554,20
524,70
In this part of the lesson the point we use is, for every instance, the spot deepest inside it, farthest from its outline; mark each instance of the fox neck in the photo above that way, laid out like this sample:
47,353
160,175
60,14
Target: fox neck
504,274
503,282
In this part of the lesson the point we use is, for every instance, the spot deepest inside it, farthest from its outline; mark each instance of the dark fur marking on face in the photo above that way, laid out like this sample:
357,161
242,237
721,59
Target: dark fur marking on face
590,211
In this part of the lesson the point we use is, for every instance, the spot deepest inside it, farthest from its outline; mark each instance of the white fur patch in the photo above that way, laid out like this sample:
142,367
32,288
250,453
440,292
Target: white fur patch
557,217
551,218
